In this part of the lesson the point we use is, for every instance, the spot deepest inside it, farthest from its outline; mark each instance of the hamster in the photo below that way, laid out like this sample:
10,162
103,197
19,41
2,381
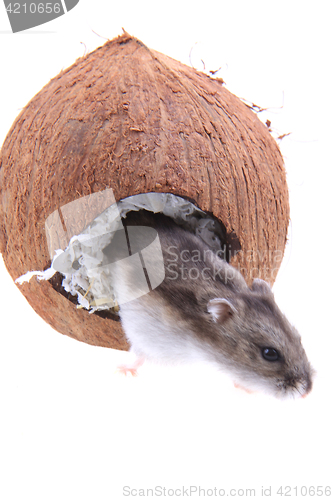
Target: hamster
204,310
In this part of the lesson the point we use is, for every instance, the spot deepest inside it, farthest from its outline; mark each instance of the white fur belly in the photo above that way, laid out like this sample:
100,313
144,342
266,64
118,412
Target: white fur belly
154,334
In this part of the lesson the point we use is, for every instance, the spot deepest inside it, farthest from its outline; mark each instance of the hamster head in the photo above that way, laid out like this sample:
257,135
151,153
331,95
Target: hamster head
263,348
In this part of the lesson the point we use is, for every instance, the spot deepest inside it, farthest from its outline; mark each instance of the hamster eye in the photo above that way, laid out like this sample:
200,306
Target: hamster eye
270,354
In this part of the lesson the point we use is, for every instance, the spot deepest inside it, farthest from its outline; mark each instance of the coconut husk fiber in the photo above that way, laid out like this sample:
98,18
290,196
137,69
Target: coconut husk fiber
131,119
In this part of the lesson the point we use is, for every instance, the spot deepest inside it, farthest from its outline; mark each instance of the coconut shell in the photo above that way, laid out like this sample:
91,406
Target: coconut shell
131,119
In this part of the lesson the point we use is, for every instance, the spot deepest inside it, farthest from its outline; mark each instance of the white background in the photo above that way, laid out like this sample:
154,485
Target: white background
70,427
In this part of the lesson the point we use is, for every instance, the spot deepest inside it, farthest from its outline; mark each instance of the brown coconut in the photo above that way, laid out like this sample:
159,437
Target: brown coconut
131,119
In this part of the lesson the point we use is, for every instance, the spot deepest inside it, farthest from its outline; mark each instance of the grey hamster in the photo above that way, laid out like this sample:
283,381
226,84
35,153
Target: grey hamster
203,309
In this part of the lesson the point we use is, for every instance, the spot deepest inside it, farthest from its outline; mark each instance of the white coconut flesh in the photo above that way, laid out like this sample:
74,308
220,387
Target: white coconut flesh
82,264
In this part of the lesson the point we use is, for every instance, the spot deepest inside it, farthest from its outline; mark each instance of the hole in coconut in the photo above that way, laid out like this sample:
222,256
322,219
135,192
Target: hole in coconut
82,273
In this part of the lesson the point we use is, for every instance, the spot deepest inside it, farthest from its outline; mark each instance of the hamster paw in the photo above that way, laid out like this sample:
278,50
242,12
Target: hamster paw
238,386
131,368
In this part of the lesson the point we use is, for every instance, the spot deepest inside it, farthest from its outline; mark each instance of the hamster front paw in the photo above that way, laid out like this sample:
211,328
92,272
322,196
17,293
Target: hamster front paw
242,388
131,368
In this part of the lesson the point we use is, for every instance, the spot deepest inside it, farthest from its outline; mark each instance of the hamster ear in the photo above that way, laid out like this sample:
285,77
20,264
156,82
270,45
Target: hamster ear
221,309
261,286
